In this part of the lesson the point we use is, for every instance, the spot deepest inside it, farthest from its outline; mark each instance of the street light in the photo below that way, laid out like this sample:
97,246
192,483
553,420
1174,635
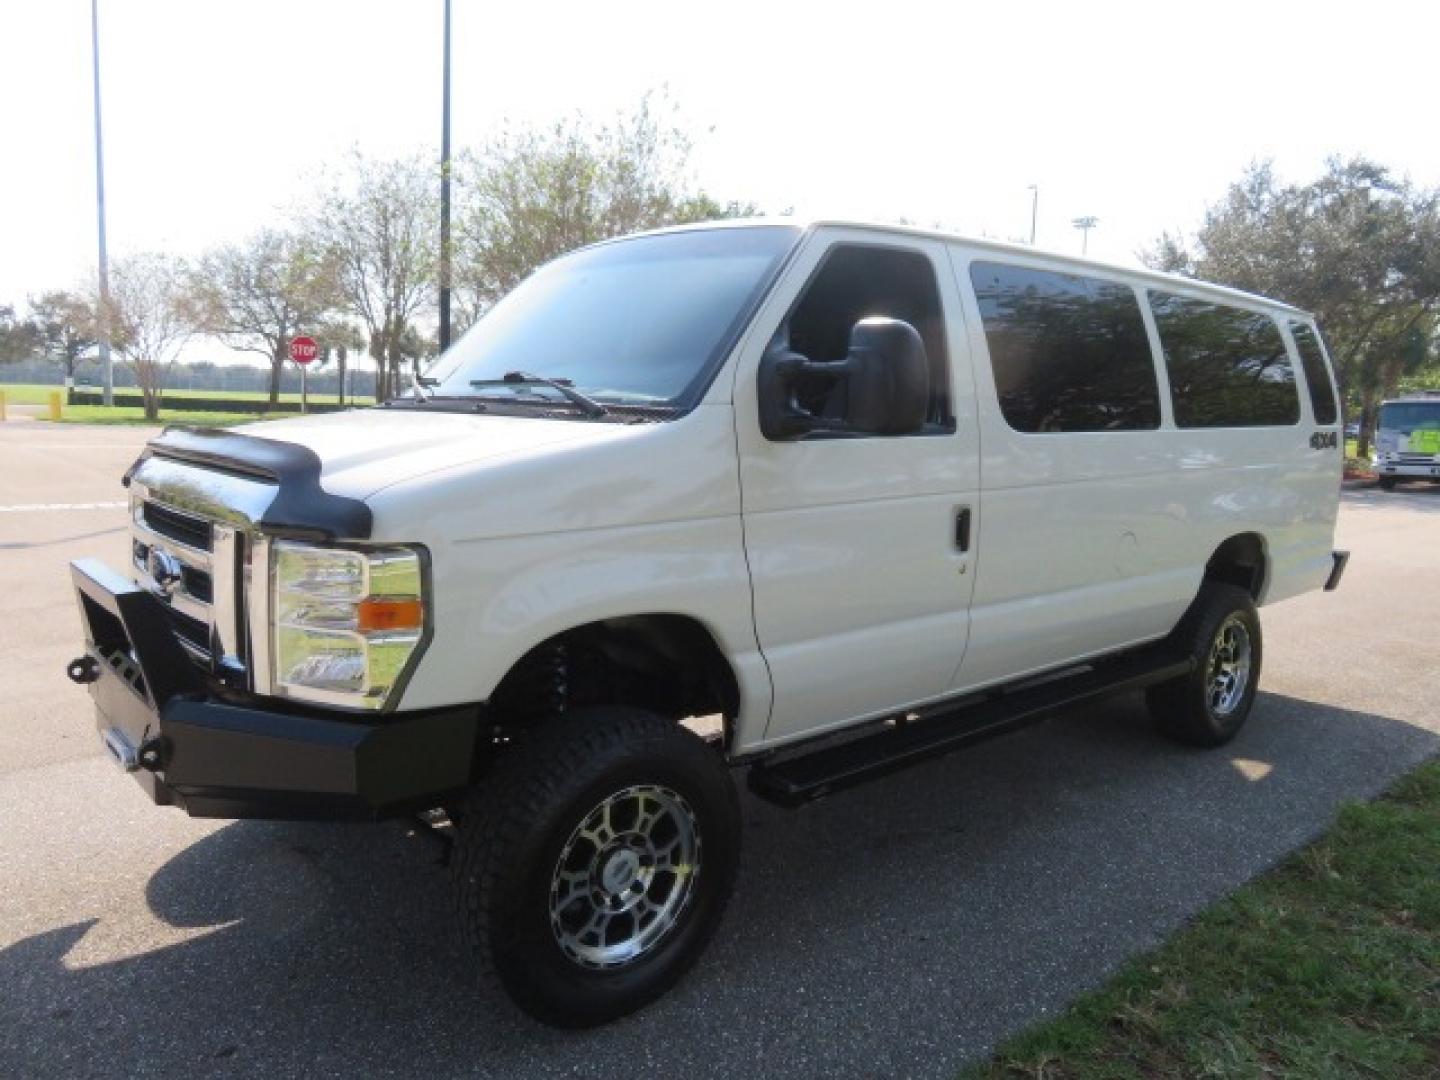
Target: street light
1085,224
445,192
103,315
1034,209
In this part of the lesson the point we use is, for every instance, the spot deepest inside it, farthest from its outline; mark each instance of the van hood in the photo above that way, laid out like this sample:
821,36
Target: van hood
366,450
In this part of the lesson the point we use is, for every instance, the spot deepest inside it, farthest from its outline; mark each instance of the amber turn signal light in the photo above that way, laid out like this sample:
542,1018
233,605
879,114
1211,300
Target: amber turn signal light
378,614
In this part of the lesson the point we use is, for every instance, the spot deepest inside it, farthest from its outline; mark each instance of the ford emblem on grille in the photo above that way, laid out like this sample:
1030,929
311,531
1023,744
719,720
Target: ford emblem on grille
166,570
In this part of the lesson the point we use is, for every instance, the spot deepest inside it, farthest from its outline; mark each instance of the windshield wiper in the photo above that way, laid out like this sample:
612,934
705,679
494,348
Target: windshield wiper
589,405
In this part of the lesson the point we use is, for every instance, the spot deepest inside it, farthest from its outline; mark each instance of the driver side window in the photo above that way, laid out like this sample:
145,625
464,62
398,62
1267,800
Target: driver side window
858,281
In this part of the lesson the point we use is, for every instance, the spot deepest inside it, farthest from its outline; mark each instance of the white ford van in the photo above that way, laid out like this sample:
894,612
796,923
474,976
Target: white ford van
813,480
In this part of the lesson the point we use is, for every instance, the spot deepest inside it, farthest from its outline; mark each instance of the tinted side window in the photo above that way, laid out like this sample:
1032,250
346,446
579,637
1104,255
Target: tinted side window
1069,353
1317,375
1228,367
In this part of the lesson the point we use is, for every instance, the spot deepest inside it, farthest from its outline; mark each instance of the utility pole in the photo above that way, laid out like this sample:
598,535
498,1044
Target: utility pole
103,315
1085,224
445,193
1034,209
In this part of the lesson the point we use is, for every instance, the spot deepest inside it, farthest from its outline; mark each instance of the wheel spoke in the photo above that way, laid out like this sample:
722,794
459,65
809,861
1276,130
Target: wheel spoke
571,885
645,822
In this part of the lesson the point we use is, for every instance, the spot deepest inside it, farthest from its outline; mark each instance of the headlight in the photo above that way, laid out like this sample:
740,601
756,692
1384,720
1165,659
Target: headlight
347,622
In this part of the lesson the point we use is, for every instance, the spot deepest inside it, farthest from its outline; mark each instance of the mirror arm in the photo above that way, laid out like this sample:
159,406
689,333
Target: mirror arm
781,416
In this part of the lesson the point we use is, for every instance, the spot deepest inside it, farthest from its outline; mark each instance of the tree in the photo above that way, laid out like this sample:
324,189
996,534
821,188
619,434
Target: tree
151,315
19,338
261,294
380,224
531,195
65,322
338,339
1358,247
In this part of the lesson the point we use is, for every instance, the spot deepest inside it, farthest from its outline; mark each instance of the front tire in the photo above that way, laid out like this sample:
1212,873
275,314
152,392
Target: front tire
1209,706
593,864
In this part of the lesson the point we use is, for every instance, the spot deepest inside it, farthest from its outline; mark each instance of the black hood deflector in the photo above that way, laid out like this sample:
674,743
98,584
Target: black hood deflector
301,507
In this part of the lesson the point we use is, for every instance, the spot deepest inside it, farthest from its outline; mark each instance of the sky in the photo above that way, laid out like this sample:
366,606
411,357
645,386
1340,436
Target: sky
219,115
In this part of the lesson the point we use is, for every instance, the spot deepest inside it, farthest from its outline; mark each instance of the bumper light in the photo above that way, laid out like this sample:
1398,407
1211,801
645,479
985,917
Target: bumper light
347,623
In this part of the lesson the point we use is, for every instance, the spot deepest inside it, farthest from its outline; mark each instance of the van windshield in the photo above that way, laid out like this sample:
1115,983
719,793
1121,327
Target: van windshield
635,322
1409,415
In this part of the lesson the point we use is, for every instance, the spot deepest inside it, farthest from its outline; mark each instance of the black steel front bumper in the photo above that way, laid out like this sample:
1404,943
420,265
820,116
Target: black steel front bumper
219,759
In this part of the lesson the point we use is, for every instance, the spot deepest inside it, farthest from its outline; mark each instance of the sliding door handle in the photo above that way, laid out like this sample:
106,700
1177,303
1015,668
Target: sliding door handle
962,529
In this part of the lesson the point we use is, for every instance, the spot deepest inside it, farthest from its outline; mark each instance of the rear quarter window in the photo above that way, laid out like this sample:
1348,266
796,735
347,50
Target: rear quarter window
1228,367
1069,353
1317,374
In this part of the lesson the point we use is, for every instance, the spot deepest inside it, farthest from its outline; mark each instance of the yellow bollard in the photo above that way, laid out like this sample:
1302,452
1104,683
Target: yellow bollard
54,404
3,417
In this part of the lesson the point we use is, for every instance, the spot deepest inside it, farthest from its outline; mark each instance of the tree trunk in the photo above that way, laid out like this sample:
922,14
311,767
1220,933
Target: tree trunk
1368,399
342,354
378,338
395,360
277,365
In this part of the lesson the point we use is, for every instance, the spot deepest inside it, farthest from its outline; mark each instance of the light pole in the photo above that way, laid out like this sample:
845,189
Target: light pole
1085,224
1034,209
445,192
103,315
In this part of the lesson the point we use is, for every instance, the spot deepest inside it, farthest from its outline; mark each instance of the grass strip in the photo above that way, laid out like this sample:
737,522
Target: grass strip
99,414
1327,966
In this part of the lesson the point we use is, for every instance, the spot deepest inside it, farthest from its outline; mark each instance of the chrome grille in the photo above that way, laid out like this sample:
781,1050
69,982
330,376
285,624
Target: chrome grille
192,565
188,529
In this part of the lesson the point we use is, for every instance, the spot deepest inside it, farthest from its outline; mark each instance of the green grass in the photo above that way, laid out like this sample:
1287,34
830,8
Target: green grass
1328,966
27,393
99,414
38,394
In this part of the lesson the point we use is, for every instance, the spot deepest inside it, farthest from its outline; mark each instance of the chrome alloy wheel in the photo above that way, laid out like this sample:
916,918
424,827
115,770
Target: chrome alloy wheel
1228,668
625,876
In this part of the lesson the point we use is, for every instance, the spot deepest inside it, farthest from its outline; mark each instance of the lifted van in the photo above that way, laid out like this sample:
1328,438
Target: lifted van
1407,440
821,501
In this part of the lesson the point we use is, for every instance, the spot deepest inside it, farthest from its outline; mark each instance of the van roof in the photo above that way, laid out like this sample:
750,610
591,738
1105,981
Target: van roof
998,246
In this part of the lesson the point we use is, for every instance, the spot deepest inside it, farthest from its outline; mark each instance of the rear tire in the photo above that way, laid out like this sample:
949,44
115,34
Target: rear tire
1387,483
1209,706
592,866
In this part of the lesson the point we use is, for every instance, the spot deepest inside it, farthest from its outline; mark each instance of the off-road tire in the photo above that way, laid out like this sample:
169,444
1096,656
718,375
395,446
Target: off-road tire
515,826
1185,709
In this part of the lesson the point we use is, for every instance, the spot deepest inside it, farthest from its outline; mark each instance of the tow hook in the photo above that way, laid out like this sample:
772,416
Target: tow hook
83,669
150,754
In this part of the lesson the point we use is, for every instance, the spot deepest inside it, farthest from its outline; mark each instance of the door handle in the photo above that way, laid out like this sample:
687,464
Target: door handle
962,529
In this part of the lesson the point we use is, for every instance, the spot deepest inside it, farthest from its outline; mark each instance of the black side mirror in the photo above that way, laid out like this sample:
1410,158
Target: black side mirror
887,383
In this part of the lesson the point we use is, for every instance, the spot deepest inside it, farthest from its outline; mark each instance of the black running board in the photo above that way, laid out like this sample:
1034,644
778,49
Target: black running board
794,780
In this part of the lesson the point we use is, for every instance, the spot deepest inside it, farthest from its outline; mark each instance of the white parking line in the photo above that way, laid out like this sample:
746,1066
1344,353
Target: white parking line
21,508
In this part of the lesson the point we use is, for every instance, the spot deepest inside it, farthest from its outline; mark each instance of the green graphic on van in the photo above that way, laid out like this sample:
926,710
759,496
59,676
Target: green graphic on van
1426,441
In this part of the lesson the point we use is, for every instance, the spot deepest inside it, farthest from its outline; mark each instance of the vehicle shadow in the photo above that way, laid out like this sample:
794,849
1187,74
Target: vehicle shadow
900,929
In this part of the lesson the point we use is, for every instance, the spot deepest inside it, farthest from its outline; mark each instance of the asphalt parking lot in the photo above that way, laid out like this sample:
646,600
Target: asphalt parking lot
899,930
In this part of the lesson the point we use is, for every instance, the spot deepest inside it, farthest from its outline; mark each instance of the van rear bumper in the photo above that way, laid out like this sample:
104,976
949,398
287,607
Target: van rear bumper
1337,570
219,758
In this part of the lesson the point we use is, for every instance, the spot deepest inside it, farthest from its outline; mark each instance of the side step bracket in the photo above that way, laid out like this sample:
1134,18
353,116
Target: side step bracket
798,779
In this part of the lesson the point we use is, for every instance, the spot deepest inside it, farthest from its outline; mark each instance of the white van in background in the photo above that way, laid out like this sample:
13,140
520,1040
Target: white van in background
808,480
1407,440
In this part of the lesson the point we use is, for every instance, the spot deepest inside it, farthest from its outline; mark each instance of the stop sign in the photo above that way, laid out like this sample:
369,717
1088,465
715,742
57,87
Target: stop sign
303,350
